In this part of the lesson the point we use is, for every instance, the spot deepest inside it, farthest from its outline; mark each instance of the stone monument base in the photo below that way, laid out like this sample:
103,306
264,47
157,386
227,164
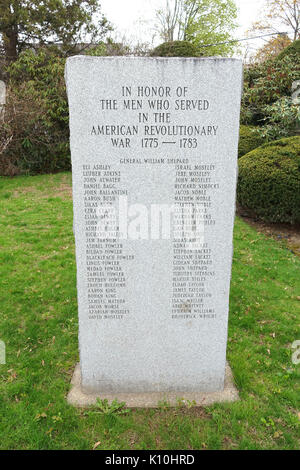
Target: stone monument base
78,398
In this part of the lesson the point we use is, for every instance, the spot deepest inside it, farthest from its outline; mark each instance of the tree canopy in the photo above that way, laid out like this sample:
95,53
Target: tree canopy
205,23
272,48
26,23
280,16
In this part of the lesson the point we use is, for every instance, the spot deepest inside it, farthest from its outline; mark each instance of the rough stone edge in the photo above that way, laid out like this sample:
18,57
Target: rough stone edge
77,397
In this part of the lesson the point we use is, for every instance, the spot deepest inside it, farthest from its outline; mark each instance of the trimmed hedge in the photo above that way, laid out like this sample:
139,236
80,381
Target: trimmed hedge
269,181
249,140
175,49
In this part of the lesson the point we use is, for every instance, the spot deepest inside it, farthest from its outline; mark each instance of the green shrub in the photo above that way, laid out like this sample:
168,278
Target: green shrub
266,101
269,181
292,51
35,134
175,49
249,140
264,84
282,119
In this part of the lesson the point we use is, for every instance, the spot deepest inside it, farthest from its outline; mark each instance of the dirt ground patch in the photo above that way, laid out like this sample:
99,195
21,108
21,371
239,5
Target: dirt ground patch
284,232
24,190
64,190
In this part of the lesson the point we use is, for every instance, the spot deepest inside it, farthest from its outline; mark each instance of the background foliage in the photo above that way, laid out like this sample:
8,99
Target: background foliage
208,24
35,134
267,93
32,23
292,51
34,137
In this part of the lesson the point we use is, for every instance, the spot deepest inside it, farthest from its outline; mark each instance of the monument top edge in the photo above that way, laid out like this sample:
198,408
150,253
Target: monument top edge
127,58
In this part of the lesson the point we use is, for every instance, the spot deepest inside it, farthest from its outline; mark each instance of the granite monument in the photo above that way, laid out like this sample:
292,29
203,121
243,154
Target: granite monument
154,163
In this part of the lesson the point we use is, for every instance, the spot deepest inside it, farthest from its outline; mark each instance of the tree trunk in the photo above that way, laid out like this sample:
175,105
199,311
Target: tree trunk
10,39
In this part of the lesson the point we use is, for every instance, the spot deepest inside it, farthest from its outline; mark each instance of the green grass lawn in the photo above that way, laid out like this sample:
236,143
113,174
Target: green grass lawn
38,322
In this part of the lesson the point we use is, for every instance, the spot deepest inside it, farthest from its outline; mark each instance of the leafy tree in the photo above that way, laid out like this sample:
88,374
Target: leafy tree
272,48
169,21
278,13
212,22
205,23
26,23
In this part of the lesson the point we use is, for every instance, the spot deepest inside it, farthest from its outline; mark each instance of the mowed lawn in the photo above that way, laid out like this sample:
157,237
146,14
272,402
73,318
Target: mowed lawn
38,323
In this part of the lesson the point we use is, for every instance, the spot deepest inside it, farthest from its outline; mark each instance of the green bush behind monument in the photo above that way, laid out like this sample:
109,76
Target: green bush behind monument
249,140
269,181
175,49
